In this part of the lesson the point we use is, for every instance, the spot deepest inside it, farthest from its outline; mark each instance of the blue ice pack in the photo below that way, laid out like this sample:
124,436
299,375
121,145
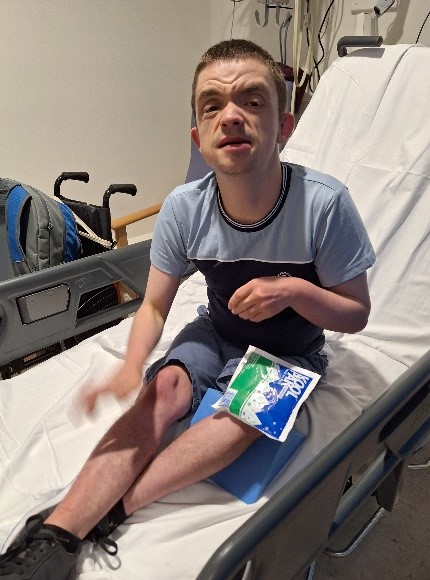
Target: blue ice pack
248,476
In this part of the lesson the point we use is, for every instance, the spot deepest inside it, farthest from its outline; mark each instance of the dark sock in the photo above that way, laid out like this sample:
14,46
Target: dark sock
115,517
117,514
69,540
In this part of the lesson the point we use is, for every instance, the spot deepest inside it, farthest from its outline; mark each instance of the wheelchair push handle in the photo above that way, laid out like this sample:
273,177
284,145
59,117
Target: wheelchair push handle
128,188
76,175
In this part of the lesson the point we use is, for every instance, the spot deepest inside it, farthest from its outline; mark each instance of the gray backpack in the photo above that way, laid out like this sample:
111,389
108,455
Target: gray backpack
36,231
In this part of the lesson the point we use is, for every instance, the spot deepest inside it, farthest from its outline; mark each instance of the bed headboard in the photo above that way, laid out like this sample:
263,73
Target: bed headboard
368,125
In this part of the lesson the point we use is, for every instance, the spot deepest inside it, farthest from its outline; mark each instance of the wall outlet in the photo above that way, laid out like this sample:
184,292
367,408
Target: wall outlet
358,6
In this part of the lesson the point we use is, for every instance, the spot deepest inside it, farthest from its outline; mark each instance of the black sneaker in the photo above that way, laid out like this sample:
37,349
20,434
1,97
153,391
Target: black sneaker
33,523
98,535
38,555
32,518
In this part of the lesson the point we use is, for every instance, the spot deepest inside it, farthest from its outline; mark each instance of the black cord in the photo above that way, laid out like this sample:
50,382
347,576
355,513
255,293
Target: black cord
421,29
308,43
320,35
319,32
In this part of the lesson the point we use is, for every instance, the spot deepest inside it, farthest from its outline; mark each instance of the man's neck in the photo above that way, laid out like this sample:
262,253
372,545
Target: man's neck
247,200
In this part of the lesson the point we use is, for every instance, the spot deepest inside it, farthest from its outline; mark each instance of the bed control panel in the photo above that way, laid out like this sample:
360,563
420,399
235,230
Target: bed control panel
38,305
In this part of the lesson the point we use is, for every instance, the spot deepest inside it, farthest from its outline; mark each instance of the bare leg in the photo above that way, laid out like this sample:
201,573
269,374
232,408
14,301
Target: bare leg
124,452
205,448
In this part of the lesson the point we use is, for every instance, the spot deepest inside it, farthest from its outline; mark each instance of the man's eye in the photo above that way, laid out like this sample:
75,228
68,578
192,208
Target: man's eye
209,109
255,103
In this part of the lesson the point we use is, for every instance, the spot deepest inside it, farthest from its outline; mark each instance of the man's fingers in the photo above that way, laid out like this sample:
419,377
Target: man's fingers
253,313
88,401
88,398
242,305
239,297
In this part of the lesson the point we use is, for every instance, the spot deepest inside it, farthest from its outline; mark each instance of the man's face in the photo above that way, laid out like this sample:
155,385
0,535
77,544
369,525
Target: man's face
238,126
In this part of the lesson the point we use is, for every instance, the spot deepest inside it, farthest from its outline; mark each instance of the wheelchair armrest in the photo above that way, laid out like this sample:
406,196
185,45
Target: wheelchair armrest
119,225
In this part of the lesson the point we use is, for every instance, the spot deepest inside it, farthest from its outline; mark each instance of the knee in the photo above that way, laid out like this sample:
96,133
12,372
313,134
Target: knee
170,378
172,387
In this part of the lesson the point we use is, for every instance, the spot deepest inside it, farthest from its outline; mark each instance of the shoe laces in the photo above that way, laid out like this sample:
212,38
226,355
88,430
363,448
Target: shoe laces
107,544
23,554
99,536
32,525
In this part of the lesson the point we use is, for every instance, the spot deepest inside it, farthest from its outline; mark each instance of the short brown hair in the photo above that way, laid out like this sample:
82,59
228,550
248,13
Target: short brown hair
240,49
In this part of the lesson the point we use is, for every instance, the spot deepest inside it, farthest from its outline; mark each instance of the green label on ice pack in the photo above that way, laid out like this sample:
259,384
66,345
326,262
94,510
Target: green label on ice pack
251,375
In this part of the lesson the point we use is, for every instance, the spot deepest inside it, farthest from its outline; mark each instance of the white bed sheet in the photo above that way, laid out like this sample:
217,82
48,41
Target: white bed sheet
43,446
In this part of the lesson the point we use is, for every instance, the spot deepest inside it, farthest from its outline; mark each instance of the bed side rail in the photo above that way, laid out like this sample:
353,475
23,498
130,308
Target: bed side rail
288,533
42,308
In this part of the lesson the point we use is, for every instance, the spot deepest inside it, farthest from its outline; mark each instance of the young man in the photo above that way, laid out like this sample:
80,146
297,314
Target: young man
284,254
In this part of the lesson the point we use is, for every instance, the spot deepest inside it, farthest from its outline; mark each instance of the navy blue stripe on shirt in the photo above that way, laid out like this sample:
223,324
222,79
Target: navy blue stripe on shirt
268,219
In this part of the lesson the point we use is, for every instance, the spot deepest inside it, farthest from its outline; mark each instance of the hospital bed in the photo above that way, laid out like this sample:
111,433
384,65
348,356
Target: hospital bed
368,125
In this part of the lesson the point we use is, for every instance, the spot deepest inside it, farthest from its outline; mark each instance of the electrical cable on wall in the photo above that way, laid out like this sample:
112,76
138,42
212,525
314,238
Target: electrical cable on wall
303,20
232,16
283,32
320,37
305,15
421,29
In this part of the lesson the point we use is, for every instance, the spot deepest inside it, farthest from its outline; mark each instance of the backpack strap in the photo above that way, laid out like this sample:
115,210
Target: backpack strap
6,268
15,204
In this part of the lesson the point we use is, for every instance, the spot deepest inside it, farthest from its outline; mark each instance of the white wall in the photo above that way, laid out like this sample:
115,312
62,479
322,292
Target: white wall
104,85
101,86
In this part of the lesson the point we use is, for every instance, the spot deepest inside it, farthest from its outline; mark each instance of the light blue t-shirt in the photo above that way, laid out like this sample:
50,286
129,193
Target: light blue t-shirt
313,232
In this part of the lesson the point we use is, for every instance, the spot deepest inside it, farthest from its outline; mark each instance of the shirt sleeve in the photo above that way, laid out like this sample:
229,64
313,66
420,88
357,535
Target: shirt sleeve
168,251
343,248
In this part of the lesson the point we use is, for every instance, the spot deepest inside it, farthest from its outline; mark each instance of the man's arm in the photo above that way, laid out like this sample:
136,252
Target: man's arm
149,320
145,333
342,308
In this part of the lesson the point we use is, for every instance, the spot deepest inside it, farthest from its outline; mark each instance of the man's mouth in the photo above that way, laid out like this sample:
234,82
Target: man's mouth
235,142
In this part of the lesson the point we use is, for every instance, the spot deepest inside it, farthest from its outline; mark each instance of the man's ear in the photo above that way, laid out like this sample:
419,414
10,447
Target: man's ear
286,128
195,137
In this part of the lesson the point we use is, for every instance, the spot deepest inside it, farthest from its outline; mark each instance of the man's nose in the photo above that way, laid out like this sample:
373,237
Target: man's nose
231,115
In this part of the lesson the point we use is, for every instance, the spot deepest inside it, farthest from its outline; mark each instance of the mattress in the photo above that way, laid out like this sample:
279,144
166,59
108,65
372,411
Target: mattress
45,441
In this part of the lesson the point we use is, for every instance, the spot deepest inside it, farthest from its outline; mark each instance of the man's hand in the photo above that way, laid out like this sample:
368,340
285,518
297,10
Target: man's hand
123,382
341,308
262,298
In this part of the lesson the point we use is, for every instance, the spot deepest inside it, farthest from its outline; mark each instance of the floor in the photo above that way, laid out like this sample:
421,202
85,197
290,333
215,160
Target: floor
398,547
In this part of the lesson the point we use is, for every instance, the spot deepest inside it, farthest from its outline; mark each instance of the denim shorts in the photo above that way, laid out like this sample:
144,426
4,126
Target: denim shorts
210,361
